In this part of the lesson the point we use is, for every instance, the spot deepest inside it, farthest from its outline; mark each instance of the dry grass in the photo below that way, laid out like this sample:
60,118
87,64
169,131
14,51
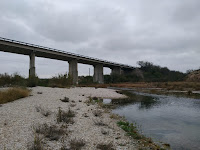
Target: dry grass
166,85
52,132
36,144
13,94
66,117
76,144
43,111
99,123
114,116
97,113
103,146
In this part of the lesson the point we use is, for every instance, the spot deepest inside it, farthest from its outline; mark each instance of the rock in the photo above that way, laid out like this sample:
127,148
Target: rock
66,99
85,115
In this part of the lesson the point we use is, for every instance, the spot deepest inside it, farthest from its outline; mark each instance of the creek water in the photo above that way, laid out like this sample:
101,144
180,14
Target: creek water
168,119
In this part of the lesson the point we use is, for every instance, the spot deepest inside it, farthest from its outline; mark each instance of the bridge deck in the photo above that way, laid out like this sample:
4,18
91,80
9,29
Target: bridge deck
12,46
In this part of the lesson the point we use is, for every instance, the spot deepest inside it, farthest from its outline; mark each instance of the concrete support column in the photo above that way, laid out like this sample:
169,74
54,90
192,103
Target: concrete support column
32,65
98,74
73,70
116,70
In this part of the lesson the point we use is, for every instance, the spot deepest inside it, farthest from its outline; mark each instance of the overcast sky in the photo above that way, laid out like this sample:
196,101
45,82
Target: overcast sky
165,32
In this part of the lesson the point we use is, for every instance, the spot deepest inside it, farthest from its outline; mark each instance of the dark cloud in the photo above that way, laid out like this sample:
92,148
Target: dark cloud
163,32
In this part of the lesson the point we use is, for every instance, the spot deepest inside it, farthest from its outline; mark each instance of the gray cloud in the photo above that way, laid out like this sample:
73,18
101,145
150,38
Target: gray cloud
163,32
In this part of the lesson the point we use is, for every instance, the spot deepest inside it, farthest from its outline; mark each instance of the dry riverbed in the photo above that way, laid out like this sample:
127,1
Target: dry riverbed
90,126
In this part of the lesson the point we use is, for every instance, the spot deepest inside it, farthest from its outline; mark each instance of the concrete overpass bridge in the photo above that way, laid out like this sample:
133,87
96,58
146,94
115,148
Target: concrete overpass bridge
13,46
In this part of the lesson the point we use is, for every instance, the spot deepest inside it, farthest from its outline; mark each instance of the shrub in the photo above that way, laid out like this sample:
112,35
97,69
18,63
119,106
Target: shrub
50,132
66,117
32,81
12,80
62,80
43,111
97,113
36,144
76,144
104,146
130,129
13,94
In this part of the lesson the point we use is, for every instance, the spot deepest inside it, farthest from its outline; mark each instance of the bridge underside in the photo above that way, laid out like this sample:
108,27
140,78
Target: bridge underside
37,51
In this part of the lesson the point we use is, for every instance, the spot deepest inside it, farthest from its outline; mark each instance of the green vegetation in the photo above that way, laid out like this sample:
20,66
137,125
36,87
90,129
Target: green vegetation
85,80
32,81
13,94
133,131
147,72
155,73
62,80
12,80
130,129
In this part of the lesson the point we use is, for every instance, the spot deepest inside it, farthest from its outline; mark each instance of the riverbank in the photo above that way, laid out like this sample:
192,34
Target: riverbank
180,86
92,127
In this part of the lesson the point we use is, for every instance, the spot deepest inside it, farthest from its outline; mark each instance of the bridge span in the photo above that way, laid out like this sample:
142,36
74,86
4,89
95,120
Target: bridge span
32,50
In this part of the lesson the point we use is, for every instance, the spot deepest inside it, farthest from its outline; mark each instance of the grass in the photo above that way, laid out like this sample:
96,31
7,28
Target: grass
66,117
13,94
129,129
133,131
36,144
53,133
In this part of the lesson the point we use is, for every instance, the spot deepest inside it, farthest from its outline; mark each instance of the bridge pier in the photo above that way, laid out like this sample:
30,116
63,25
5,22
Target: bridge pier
32,65
116,70
73,70
98,74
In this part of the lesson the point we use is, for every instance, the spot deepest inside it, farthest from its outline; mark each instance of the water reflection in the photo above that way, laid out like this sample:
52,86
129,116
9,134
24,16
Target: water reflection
144,101
174,120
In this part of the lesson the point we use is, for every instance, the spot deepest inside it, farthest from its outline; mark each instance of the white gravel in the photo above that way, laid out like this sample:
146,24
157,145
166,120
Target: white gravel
18,118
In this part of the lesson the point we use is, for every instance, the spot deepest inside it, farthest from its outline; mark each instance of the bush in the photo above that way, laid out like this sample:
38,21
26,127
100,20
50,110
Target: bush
50,132
66,117
10,80
13,94
32,81
62,80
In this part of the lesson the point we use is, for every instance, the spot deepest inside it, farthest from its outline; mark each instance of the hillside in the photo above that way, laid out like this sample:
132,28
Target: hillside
194,76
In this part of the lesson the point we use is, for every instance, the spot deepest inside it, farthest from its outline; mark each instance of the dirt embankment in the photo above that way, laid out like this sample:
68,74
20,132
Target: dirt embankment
194,76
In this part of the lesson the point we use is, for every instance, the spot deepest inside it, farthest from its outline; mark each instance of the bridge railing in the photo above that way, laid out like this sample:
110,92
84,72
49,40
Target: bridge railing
61,51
